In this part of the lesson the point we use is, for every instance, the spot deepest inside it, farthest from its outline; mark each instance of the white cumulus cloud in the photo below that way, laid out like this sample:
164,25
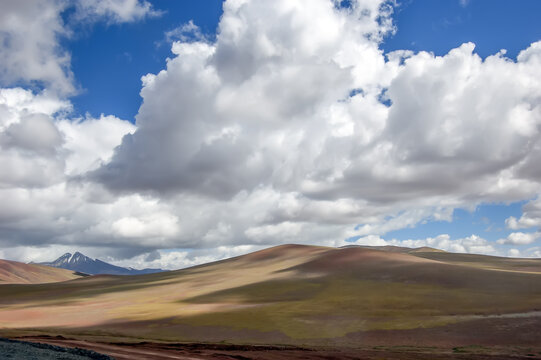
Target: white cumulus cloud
293,125
116,11
30,50
531,216
520,238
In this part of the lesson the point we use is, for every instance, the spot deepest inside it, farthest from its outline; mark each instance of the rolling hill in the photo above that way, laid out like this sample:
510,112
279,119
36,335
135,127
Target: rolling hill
299,295
13,272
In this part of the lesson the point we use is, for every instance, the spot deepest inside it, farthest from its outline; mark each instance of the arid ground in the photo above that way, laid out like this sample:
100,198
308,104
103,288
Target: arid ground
13,272
293,300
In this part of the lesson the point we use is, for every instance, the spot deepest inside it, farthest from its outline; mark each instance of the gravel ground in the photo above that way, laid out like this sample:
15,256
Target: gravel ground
21,350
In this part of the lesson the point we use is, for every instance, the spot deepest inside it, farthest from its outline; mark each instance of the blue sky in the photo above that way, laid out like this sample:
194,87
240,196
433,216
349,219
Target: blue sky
109,60
244,140
439,26
487,220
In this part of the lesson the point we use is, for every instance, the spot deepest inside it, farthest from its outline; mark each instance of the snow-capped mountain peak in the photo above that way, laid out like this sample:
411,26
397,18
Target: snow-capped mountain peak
82,263
64,259
79,258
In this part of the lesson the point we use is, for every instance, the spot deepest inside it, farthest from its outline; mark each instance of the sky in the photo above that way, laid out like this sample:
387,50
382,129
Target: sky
171,133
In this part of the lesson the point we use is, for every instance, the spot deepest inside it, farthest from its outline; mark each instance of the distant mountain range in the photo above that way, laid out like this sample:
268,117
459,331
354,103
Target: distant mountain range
84,264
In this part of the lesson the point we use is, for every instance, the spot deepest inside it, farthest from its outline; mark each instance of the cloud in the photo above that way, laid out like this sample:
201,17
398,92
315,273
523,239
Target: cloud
534,252
89,142
326,130
245,112
42,153
115,11
30,51
41,148
176,259
291,126
210,121
185,33
370,240
29,140
513,253
531,216
520,238
31,32
471,244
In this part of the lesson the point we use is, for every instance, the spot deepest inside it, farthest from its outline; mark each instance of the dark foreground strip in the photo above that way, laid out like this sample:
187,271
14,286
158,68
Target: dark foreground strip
215,346
17,349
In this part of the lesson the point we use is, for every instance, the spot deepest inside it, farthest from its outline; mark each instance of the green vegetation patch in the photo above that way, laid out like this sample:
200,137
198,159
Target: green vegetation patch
63,293
264,292
332,307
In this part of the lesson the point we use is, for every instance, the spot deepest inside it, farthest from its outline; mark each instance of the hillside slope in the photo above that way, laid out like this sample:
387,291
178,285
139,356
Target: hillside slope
13,272
295,294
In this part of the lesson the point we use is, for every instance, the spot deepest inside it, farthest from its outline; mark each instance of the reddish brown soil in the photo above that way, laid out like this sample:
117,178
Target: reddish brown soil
361,261
485,339
290,250
163,351
14,272
508,332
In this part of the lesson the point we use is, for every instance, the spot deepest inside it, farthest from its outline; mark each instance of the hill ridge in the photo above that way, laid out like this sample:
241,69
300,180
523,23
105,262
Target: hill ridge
14,272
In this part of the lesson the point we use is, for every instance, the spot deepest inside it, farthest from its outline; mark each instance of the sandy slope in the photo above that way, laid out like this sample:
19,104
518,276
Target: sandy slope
13,272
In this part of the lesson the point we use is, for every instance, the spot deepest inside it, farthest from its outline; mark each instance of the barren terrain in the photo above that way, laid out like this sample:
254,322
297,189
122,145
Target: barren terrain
13,272
352,300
